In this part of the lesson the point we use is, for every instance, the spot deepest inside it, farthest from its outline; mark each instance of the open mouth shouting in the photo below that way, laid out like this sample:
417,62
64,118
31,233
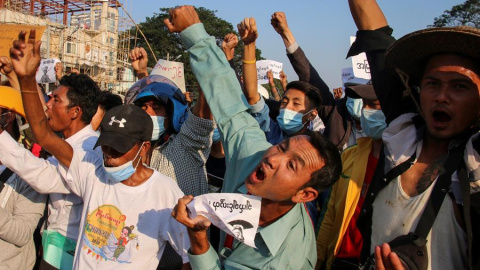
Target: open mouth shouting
441,118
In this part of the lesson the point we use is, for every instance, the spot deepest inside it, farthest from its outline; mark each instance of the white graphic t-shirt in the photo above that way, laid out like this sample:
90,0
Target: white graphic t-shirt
124,227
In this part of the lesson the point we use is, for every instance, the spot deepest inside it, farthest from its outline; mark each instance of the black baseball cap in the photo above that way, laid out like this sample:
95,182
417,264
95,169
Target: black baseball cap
123,126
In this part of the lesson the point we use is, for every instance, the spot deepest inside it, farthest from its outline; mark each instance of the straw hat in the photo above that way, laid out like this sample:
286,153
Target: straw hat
411,52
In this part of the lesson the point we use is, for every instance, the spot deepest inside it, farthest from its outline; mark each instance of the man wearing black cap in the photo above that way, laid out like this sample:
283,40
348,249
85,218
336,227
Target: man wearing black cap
126,215
429,147
339,241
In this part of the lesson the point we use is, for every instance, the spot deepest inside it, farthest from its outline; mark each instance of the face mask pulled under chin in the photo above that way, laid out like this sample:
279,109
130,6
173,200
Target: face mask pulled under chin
291,121
373,123
158,127
123,172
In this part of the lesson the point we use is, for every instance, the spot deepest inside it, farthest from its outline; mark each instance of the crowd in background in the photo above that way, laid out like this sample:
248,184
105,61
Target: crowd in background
380,174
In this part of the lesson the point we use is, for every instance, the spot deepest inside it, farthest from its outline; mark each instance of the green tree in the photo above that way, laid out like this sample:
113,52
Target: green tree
467,13
164,43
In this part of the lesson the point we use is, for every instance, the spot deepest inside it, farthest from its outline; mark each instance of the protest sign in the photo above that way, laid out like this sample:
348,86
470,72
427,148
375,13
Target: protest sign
172,70
236,214
361,69
46,71
265,65
9,33
347,73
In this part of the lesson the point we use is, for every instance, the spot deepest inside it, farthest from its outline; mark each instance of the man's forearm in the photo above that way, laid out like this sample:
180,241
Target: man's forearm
198,242
250,79
367,14
33,109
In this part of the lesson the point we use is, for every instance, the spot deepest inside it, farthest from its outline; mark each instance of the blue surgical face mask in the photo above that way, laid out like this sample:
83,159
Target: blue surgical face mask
123,172
290,121
158,127
216,135
373,123
354,107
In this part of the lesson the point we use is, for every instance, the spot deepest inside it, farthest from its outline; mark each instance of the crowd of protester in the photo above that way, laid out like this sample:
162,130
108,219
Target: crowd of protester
386,177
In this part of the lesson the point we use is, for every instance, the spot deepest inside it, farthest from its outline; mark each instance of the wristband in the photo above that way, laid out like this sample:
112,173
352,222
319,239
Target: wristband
249,62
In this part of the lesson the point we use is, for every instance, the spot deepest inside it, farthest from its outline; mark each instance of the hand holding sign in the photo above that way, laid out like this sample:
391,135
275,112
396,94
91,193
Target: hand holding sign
180,213
236,214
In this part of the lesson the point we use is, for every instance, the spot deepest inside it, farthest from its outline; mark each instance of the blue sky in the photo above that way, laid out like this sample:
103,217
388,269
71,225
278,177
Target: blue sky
322,28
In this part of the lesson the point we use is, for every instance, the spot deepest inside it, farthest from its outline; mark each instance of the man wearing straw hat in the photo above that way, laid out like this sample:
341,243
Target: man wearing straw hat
428,85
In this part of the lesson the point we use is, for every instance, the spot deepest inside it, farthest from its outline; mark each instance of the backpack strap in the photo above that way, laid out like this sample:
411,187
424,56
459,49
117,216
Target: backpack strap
437,196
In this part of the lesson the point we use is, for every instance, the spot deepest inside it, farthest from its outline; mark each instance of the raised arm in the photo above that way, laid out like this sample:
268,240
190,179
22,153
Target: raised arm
302,66
139,59
229,43
367,15
6,68
25,55
248,33
373,38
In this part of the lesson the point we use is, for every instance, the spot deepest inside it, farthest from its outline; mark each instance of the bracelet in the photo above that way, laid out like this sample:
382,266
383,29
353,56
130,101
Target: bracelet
249,62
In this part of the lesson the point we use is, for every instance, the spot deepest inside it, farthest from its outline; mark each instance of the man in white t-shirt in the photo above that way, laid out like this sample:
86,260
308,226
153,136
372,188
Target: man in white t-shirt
126,217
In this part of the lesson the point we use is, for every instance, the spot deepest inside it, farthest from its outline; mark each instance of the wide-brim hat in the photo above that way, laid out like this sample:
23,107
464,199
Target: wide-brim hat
364,91
411,52
11,99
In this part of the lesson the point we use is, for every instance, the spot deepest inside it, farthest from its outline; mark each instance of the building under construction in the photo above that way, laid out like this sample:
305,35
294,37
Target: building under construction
91,36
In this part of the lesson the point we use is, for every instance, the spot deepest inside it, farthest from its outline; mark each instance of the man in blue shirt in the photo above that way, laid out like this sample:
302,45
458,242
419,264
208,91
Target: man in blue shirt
284,175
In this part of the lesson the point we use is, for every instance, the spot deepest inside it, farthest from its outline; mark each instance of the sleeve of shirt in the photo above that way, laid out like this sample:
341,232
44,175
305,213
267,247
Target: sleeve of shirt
42,175
242,136
208,260
260,112
17,228
85,168
306,72
388,87
195,137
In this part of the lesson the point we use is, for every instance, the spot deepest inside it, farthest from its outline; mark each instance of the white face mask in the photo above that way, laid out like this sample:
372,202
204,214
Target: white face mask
123,172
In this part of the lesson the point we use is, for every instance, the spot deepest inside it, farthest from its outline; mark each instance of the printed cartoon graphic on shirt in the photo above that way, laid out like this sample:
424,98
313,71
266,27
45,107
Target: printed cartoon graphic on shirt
108,237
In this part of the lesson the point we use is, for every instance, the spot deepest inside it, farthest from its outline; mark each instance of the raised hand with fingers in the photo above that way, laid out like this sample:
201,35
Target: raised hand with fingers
248,30
283,80
5,65
139,59
181,18
230,41
25,55
279,23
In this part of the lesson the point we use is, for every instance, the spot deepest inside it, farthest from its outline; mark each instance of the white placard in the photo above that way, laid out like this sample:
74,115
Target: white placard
265,65
46,71
361,68
236,214
347,74
172,70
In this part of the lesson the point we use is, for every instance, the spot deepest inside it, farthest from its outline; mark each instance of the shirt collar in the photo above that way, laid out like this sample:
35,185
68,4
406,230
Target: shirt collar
87,131
275,234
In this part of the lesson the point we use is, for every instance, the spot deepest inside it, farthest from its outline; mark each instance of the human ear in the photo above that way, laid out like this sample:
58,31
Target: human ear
307,194
312,115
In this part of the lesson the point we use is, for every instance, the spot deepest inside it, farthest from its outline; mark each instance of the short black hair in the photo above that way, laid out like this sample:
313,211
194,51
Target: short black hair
326,176
82,92
107,100
312,92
